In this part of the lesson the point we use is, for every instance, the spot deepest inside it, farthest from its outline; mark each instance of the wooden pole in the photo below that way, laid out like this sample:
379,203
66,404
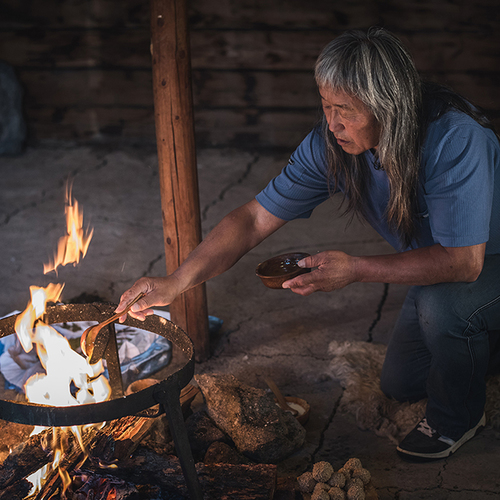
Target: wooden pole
174,120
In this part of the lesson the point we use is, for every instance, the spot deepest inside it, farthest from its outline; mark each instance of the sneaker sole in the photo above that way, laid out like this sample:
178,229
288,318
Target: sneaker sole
446,453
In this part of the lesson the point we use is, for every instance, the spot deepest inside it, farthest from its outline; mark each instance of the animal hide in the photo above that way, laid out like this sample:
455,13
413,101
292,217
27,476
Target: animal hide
357,366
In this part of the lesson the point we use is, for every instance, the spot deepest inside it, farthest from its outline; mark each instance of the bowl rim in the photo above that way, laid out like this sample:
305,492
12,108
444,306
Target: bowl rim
278,258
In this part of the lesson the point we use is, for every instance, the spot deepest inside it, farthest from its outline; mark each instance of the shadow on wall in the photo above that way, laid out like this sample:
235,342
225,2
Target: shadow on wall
12,123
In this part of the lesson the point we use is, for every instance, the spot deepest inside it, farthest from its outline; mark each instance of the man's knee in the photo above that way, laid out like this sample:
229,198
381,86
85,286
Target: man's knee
389,388
402,388
443,308
433,303
394,388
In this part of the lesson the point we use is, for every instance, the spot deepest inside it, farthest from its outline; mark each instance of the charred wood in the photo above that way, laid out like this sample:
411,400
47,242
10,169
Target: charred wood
17,491
104,447
25,459
115,441
89,485
218,481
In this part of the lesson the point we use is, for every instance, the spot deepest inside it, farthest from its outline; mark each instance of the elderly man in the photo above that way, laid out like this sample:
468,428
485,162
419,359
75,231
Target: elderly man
421,165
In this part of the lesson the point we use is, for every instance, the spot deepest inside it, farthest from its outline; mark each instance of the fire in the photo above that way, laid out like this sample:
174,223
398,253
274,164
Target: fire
72,247
69,378
34,310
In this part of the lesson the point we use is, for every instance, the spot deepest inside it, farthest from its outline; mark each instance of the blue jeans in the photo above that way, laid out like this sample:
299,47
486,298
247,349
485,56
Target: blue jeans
440,349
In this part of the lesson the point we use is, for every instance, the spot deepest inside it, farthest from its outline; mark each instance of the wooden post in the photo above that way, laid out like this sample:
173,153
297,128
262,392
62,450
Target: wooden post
173,104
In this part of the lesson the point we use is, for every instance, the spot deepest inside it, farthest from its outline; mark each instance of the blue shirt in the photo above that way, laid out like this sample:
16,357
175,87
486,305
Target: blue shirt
458,194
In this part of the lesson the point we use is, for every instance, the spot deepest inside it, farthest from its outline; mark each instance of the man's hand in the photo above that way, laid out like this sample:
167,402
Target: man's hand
331,270
159,292
421,266
237,233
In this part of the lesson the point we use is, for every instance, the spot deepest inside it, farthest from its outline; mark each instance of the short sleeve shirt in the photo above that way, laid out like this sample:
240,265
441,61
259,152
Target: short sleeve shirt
458,194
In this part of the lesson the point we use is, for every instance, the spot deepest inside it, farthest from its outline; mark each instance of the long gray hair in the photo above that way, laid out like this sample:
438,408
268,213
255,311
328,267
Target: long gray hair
377,69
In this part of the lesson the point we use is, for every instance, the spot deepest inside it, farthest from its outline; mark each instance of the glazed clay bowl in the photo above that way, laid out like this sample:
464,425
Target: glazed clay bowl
276,270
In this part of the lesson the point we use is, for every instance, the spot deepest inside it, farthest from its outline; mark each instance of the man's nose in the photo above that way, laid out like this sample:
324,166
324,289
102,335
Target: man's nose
334,124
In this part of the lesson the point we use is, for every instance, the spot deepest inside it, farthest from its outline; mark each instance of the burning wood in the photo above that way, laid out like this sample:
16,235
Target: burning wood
25,459
87,485
103,448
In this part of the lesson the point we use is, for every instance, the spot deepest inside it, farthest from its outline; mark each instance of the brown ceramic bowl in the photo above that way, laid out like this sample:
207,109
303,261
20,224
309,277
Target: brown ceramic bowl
275,271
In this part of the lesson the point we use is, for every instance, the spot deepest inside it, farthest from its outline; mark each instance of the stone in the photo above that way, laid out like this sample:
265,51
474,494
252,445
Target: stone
336,493
354,482
353,464
356,493
320,493
337,479
222,453
260,429
306,482
362,474
202,432
322,471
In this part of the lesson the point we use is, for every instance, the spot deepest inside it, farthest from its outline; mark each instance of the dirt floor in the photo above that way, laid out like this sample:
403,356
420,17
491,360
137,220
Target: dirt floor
265,332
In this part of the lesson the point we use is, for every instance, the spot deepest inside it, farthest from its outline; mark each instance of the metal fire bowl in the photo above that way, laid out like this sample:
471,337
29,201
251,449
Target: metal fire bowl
65,416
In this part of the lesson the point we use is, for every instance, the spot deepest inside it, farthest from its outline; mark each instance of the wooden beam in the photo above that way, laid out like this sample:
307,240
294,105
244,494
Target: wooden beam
174,121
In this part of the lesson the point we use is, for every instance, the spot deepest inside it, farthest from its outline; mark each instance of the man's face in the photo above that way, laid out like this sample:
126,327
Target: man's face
350,121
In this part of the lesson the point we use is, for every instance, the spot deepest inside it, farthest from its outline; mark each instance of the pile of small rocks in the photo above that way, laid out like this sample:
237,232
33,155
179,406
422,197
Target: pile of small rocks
348,483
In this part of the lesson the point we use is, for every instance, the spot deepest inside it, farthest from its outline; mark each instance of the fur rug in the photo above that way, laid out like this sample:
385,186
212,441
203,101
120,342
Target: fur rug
357,366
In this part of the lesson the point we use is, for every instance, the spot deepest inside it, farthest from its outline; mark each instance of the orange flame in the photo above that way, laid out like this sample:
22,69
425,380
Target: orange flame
72,247
69,378
35,310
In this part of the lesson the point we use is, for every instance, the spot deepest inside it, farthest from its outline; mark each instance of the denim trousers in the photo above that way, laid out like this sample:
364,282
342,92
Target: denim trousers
441,347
